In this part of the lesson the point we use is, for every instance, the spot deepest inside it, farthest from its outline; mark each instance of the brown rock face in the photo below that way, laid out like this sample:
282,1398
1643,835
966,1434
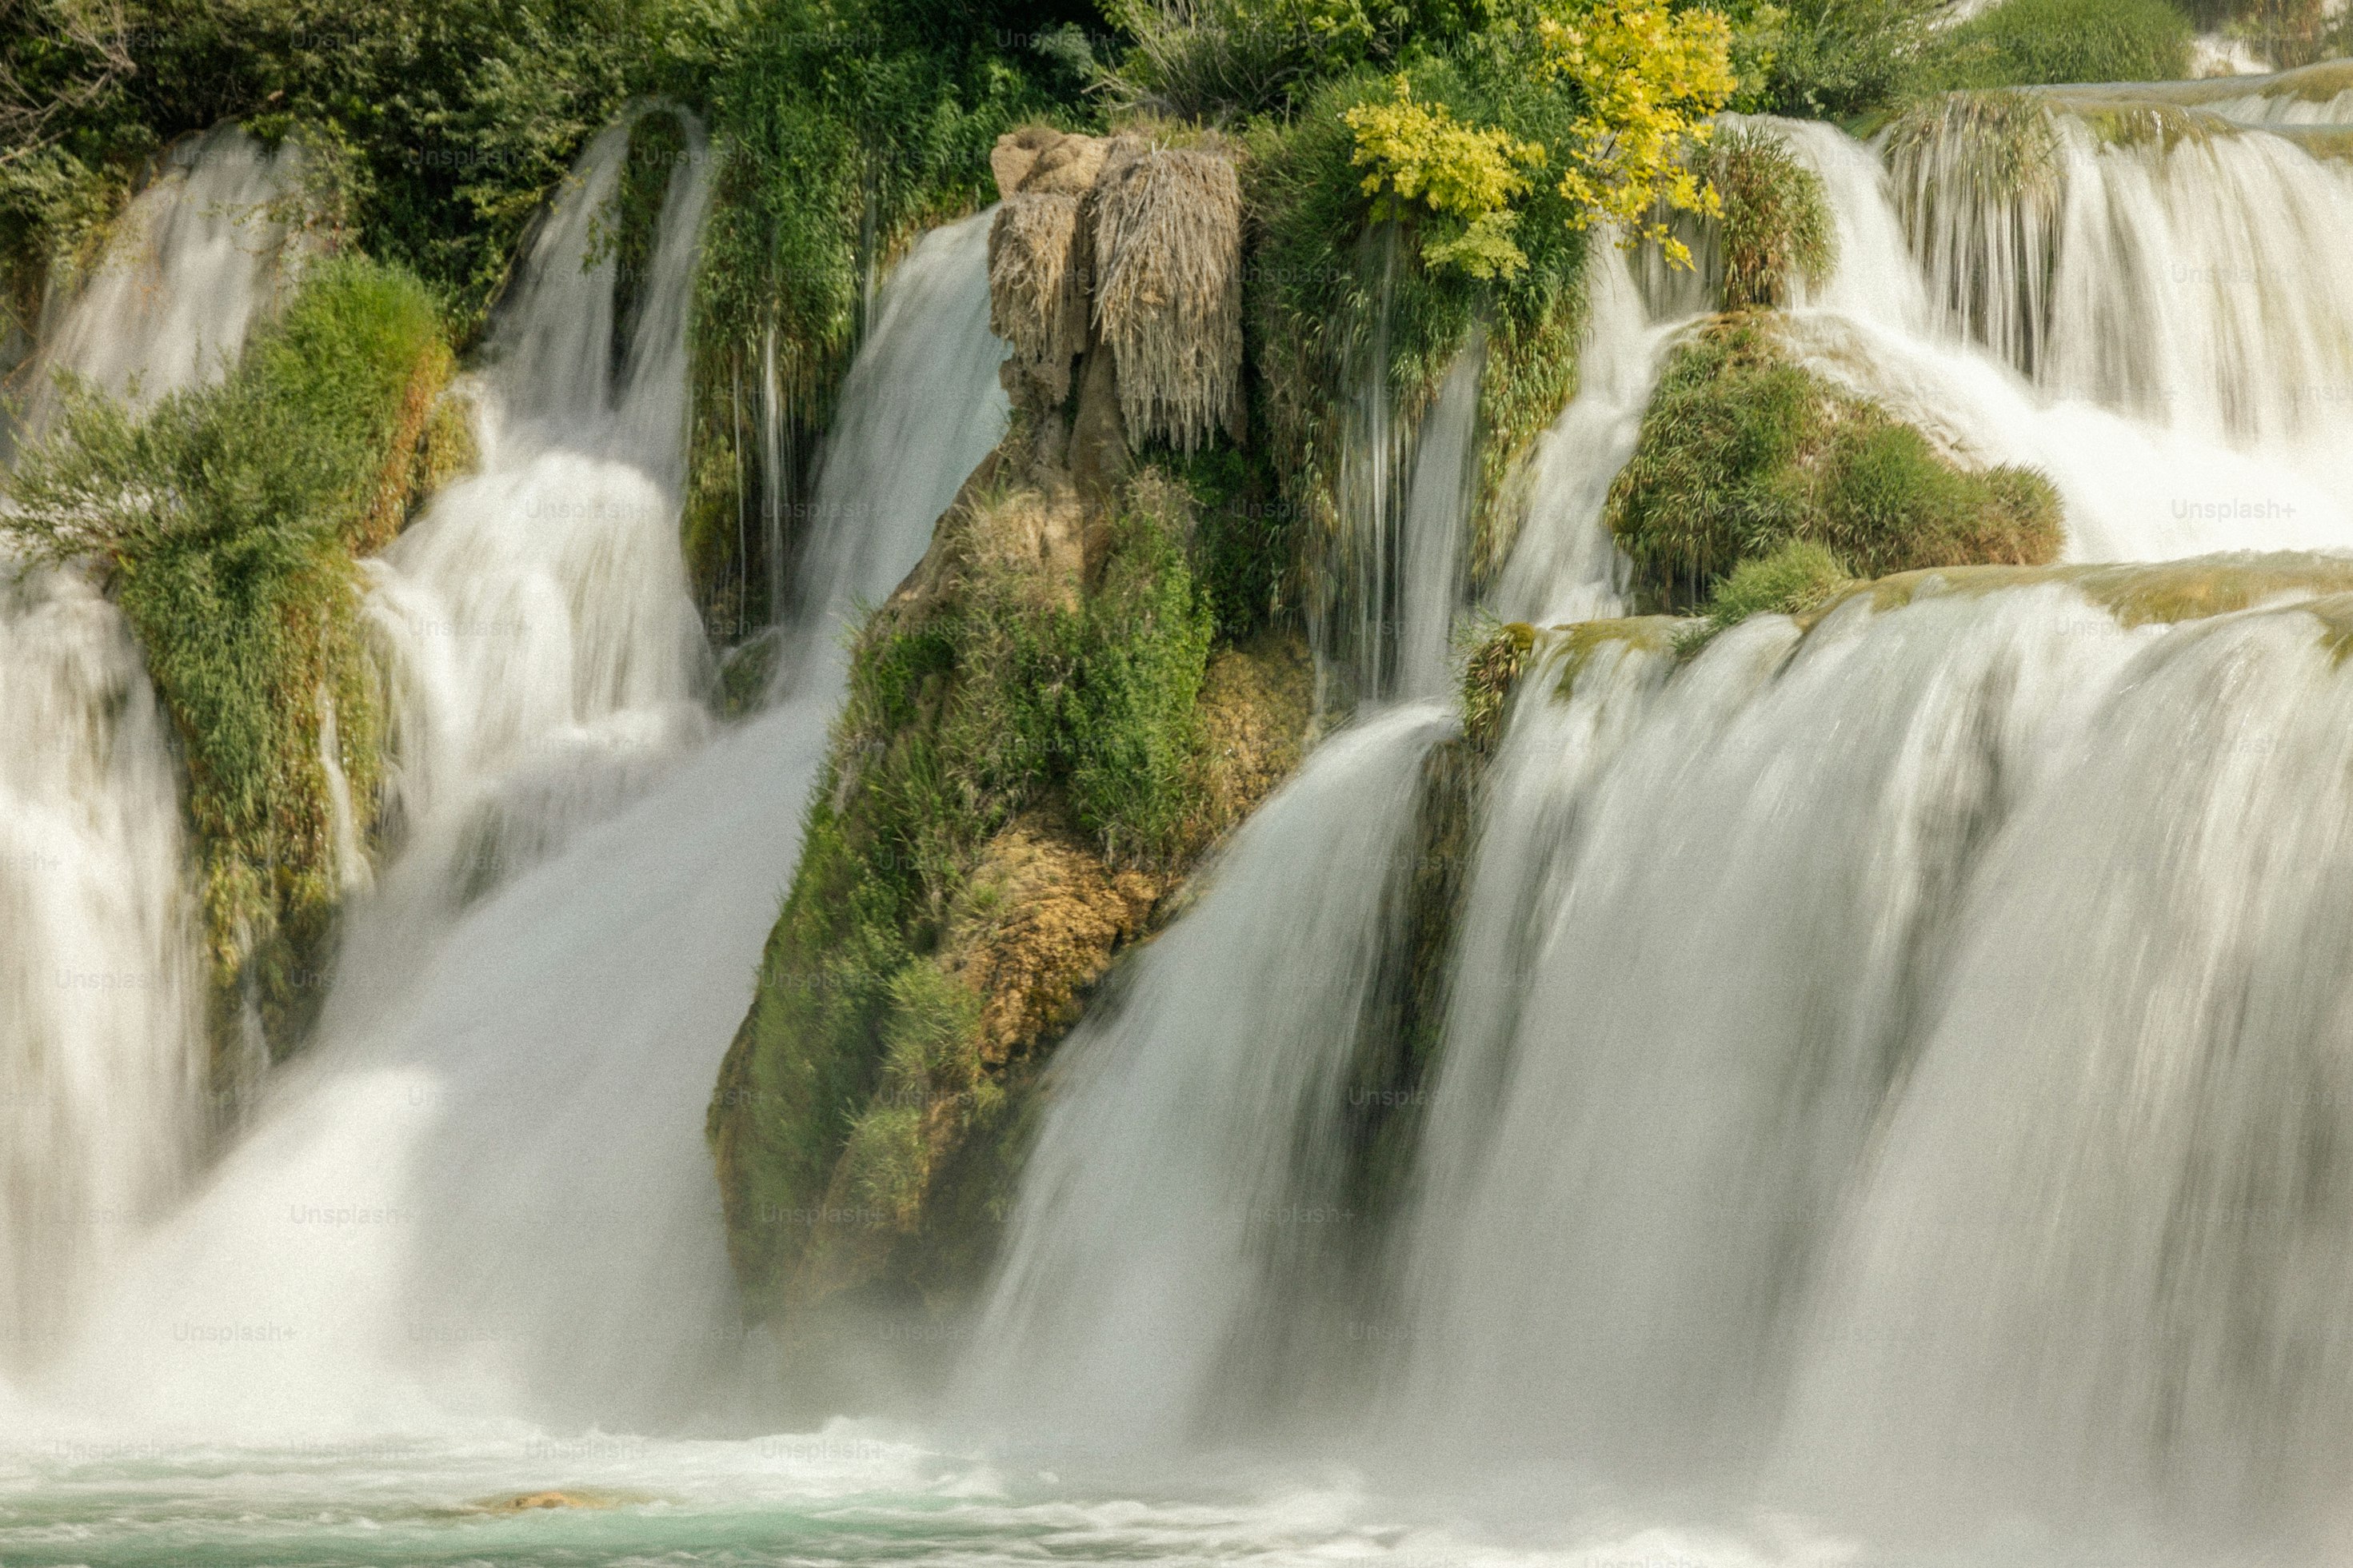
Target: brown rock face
1038,924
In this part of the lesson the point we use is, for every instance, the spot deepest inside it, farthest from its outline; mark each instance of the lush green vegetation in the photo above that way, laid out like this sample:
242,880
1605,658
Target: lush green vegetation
1776,227
439,126
2027,42
997,697
226,522
1744,450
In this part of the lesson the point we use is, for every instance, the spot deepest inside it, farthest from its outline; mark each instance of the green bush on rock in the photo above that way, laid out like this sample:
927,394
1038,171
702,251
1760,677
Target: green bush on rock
226,522
1744,450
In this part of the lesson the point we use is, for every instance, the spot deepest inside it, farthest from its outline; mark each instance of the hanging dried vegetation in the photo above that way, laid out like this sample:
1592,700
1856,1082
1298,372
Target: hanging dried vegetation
1169,295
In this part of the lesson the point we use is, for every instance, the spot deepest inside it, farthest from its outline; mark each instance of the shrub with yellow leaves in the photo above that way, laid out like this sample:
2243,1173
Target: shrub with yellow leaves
1462,177
1649,80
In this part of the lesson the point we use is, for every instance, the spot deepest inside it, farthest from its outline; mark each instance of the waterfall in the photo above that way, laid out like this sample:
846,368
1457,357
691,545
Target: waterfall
101,1039
483,1192
1911,1046
1564,566
190,265
910,431
2186,385
1891,1073
544,657
1403,491
101,1042
1193,1145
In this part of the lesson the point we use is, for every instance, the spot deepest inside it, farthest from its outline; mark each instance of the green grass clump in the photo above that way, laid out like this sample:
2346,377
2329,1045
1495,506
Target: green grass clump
228,521
1490,675
1799,576
2026,43
1133,738
1776,226
1743,451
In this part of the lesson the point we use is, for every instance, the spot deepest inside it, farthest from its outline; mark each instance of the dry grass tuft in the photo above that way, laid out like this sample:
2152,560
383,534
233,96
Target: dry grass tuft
1168,297
1037,289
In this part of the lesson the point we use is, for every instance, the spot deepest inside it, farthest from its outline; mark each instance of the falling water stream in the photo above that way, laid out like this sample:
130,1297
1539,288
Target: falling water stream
1893,1102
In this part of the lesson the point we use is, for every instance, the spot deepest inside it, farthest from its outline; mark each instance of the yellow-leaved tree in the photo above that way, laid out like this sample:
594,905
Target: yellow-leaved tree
1464,177
1647,81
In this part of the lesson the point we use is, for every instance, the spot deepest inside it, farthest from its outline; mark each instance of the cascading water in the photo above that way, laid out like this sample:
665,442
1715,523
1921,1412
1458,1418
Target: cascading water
101,1046
485,1193
2197,418
1890,1072
100,1051
1190,1154
192,263
1887,1102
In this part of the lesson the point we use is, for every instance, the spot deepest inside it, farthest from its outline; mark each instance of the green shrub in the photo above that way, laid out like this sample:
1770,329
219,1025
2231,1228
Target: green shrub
226,522
1891,503
1330,290
1743,451
2025,43
1715,475
1840,58
1776,226
1799,576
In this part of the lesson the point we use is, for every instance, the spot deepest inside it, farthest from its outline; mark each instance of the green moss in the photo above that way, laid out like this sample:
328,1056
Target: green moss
2156,593
1743,450
1776,227
228,521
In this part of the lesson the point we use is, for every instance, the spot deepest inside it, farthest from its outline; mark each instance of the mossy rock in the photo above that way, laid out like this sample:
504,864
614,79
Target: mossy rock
1038,740
1744,450
235,558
